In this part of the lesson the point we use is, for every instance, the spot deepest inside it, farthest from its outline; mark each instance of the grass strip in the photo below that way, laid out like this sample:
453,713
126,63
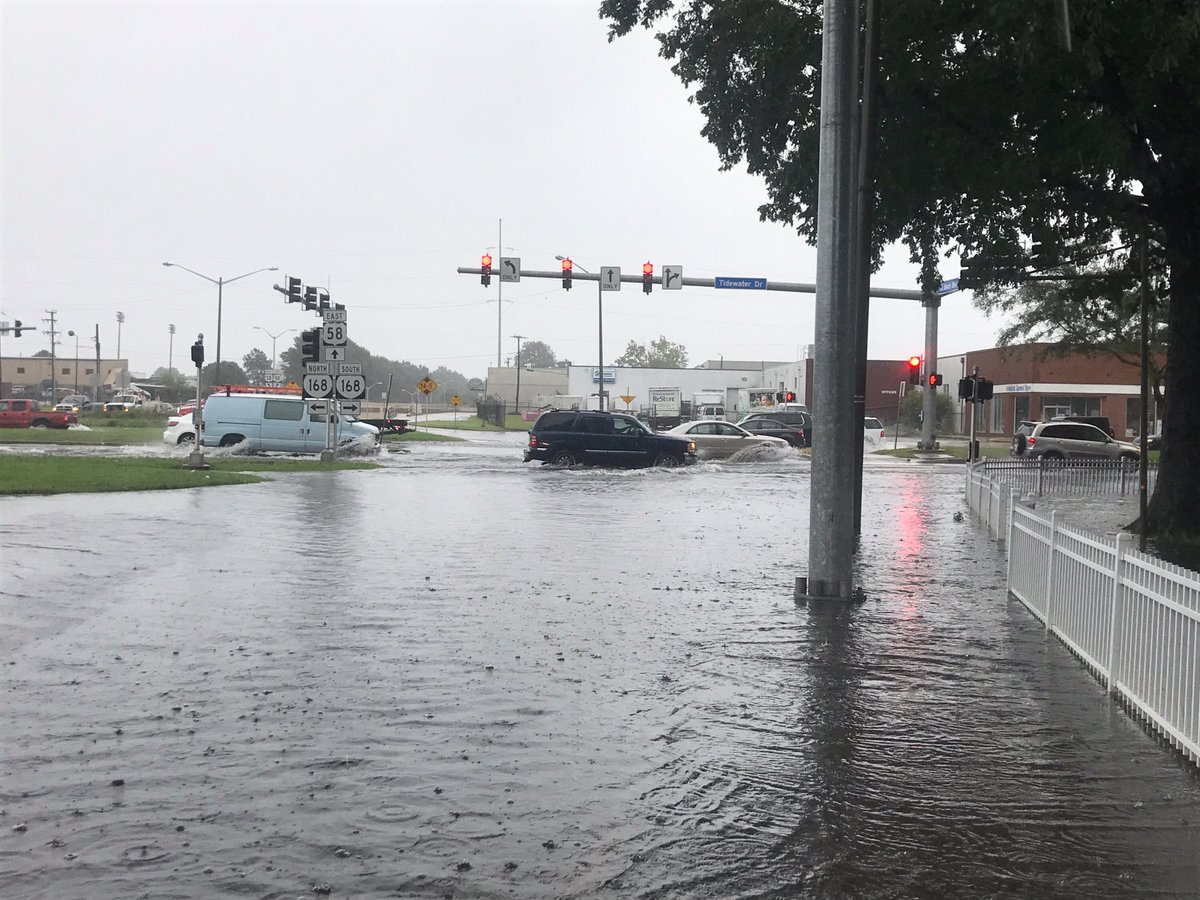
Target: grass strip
137,434
24,475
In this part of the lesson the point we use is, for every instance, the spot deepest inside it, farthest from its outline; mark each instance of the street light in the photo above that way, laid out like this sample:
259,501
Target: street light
170,348
411,400
600,319
74,335
273,337
220,283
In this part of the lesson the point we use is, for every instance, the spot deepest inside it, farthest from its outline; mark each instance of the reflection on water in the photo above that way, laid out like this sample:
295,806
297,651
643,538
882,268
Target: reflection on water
460,675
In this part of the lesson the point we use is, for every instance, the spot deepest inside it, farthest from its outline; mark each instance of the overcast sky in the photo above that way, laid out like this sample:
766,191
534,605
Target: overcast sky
373,148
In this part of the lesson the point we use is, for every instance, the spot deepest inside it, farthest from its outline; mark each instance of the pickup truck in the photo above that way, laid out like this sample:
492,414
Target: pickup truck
26,414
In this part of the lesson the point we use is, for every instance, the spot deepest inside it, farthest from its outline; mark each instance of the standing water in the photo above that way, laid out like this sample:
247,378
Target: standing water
461,676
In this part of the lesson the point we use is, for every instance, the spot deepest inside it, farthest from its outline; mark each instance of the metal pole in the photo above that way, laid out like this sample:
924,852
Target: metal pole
517,401
974,407
929,400
54,360
171,348
1144,424
96,382
831,515
499,286
600,349
196,457
899,397
217,370
76,362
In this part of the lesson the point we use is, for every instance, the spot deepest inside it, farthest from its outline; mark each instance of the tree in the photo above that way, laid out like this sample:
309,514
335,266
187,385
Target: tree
661,354
1073,146
174,386
535,353
41,353
256,364
1092,311
230,373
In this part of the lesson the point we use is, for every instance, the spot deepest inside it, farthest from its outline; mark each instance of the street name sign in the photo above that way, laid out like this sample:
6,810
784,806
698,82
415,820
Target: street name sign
610,278
333,316
672,278
510,268
949,286
740,284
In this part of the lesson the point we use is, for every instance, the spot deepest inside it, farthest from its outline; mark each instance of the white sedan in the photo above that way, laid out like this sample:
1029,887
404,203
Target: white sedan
720,440
180,430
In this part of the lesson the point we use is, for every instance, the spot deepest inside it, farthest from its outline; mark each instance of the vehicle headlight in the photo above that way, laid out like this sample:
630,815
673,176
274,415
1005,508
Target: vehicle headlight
691,447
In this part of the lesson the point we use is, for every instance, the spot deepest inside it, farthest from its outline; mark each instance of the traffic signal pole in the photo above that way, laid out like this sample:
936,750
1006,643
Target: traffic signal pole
929,399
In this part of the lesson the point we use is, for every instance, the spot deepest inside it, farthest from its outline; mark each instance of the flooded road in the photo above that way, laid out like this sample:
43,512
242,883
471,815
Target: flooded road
462,676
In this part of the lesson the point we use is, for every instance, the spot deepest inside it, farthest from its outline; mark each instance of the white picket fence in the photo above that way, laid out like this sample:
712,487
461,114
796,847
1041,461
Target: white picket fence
1133,619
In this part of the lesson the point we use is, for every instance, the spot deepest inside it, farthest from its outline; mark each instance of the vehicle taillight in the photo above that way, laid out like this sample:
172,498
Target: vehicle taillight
532,440
882,432
1030,441
171,423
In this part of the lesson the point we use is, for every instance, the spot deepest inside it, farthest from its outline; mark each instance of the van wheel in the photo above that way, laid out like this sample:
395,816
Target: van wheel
564,458
231,439
666,461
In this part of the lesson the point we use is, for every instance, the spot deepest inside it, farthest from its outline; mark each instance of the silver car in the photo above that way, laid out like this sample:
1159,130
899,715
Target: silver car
1077,440
721,440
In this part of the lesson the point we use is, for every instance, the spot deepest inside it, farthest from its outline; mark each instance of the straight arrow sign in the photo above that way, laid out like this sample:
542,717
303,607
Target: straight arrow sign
611,280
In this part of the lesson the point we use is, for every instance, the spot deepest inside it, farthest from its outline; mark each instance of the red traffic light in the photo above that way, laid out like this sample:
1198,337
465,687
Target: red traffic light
568,265
934,379
486,262
648,277
914,362
789,396
485,269
648,269
568,268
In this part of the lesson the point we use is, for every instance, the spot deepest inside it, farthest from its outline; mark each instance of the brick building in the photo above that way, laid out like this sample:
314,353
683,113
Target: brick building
1032,384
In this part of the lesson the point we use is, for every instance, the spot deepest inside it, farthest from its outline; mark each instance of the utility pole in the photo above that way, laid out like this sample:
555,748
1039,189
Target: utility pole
53,366
517,401
171,348
931,302
97,376
837,438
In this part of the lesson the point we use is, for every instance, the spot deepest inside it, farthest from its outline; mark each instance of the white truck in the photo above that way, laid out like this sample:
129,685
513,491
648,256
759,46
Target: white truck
665,409
708,405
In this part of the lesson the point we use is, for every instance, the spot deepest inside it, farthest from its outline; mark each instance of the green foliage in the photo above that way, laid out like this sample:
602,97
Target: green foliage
660,354
947,411
175,388
256,364
535,353
72,474
987,133
230,373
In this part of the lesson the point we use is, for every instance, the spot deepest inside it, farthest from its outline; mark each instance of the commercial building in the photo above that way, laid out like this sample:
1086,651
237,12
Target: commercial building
32,376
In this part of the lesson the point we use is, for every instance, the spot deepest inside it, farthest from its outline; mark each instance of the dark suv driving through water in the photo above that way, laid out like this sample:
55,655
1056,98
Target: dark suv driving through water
571,437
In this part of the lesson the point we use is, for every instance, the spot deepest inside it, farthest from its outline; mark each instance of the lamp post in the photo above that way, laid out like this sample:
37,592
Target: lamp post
74,335
170,348
220,283
120,320
600,330
273,337
411,400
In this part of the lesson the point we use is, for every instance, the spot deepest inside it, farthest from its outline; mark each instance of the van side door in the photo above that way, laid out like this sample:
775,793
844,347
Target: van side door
283,425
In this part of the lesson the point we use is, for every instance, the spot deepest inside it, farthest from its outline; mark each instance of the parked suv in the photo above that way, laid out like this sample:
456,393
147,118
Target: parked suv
1060,439
1100,422
568,437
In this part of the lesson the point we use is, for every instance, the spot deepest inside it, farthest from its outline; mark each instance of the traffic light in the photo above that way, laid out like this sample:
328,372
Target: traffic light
485,270
568,271
310,345
966,388
985,390
17,327
324,302
934,380
294,294
198,352
914,370
311,298
647,277
789,396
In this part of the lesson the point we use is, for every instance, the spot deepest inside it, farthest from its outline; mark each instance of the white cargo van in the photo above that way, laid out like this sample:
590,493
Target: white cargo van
261,421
